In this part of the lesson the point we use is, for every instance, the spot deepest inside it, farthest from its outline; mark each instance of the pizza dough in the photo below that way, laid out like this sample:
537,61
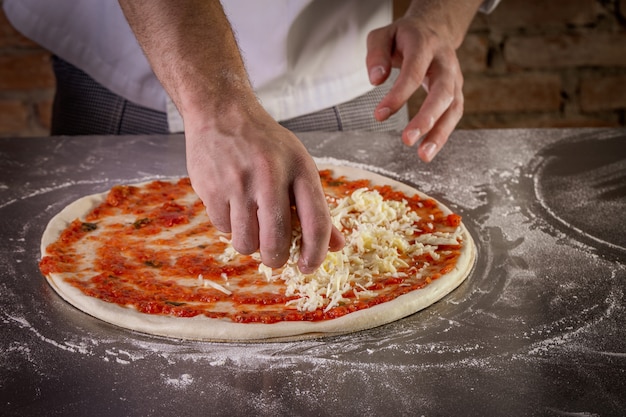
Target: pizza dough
211,329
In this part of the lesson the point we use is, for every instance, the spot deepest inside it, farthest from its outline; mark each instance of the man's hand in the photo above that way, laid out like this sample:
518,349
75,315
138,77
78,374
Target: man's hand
249,171
423,45
246,168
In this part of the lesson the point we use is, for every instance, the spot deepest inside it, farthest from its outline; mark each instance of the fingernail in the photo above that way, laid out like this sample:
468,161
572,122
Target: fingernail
413,136
376,74
305,268
430,150
383,114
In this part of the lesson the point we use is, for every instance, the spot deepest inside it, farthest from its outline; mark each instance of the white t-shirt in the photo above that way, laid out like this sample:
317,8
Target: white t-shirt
301,55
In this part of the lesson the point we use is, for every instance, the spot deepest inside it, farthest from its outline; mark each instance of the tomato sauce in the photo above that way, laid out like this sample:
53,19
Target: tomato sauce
159,261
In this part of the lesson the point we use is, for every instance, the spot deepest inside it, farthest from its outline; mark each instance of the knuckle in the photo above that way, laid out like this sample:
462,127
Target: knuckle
458,106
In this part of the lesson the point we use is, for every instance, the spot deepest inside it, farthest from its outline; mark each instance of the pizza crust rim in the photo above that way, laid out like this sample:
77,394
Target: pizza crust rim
224,330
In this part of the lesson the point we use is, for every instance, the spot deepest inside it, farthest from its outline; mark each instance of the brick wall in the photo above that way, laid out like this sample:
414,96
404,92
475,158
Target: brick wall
530,63
535,63
26,85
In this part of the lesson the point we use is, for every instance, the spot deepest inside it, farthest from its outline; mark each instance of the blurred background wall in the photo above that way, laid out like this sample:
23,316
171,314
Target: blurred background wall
531,63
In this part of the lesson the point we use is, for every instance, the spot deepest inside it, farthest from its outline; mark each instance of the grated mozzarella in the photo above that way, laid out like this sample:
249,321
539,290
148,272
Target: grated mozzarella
379,233
209,283
229,253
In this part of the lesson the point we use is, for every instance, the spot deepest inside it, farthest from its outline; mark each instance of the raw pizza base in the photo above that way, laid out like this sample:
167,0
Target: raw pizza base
210,329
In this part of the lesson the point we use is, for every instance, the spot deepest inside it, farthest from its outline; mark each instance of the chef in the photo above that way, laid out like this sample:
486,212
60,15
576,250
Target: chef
239,77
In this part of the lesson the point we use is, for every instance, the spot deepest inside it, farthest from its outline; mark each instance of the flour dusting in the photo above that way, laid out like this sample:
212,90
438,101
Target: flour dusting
180,382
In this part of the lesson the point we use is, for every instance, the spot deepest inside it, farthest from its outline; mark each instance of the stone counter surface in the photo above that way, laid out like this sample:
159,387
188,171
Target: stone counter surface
538,328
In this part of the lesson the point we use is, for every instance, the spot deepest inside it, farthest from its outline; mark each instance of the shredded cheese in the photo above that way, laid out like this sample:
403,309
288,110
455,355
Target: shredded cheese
379,233
209,283
229,253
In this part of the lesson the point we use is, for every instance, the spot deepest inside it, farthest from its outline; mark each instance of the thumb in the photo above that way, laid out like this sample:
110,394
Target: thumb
337,241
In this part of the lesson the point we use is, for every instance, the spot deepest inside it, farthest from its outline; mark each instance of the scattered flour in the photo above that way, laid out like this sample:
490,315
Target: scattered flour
180,382
441,339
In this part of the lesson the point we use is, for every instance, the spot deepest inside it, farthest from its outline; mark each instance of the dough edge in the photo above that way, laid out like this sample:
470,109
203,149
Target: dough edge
222,330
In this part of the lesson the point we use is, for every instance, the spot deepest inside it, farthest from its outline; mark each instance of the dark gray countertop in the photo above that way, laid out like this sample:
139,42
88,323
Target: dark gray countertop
537,329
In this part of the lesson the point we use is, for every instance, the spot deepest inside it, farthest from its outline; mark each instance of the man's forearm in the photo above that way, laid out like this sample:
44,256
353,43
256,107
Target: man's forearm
192,50
454,15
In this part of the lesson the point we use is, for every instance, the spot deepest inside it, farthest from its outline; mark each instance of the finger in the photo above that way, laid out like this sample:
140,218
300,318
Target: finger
337,240
219,215
274,220
438,136
409,79
443,90
378,59
245,227
315,222
216,209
